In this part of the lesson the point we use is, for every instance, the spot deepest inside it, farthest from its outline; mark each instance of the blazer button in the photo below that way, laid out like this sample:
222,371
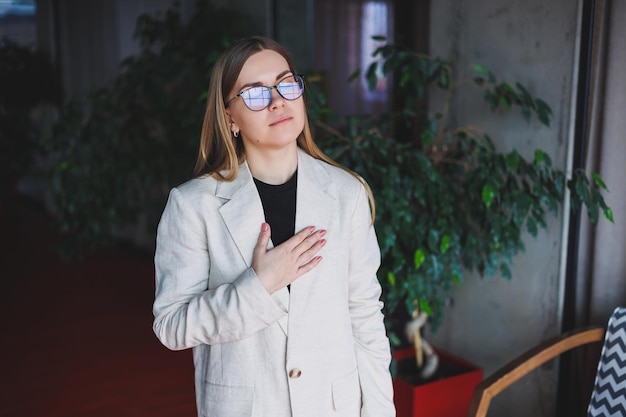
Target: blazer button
295,373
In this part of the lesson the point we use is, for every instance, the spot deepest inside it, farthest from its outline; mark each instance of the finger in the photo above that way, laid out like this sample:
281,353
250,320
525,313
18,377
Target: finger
312,250
298,238
308,266
264,238
304,233
310,241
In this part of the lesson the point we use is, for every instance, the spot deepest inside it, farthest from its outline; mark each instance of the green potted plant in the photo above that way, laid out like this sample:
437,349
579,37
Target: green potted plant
448,202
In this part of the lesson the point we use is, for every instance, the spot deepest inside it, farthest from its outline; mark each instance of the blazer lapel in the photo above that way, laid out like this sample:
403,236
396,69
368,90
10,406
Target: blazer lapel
315,199
316,205
243,213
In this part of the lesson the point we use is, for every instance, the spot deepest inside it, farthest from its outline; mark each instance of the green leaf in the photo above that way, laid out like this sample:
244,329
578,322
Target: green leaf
355,74
543,111
391,278
504,102
608,214
581,188
427,136
597,179
443,80
487,195
370,76
405,78
479,69
379,38
531,226
457,279
433,239
505,270
547,160
512,161
539,156
525,112
394,339
419,258
425,307
445,244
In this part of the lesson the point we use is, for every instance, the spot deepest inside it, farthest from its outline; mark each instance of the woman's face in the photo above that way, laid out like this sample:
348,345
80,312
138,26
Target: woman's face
275,127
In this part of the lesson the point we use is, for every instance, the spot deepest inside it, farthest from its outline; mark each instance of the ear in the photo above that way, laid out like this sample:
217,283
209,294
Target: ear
234,128
231,123
228,115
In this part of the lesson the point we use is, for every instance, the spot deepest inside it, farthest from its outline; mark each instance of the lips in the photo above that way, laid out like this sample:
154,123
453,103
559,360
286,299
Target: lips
280,119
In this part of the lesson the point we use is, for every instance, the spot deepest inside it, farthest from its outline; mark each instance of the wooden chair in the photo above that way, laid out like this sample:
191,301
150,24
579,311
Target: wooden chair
609,395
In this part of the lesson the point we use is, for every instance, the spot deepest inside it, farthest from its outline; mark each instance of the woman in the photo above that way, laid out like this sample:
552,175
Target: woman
281,324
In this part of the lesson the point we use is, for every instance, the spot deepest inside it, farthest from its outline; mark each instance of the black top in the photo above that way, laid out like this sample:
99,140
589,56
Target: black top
279,206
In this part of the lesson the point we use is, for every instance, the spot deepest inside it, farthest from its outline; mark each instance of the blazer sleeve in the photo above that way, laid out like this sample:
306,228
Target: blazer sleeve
372,347
186,313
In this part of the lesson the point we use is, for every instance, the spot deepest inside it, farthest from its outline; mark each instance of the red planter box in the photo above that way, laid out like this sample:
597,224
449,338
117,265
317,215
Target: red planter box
446,397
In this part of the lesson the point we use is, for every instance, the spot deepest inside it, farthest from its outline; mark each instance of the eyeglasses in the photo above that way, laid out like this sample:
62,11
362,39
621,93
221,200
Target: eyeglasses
259,97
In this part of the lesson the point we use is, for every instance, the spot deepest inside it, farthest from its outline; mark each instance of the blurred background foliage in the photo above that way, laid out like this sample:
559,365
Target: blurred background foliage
27,80
114,158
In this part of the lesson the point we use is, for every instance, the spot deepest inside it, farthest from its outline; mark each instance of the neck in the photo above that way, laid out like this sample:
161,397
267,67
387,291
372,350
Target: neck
275,167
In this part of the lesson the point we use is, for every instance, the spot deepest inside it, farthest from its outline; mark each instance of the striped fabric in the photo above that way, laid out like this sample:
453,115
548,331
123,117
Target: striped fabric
609,393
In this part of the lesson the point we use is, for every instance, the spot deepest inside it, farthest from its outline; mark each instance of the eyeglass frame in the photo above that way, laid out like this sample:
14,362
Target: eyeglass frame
299,79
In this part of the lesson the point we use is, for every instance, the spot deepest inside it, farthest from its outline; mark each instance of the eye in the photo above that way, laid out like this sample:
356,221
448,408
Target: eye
290,87
254,93
256,97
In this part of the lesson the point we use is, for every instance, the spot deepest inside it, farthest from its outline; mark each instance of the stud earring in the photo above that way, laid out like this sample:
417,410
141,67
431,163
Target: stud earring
236,133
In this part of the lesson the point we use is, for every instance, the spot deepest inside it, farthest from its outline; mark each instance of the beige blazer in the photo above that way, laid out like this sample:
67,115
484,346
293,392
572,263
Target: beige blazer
317,350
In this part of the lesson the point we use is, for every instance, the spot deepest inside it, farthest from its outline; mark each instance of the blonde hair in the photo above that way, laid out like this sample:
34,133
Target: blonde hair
219,155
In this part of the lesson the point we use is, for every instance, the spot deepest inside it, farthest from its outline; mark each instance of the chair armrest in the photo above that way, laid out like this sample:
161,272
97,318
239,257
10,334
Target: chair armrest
525,363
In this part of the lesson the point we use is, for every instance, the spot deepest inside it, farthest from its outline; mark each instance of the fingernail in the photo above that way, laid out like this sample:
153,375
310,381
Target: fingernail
323,233
323,242
318,259
311,229
265,227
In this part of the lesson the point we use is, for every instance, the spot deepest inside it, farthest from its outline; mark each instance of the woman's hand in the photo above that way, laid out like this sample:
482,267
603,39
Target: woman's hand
282,265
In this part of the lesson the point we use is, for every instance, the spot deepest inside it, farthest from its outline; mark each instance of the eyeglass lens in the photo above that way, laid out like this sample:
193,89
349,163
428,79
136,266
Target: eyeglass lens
258,98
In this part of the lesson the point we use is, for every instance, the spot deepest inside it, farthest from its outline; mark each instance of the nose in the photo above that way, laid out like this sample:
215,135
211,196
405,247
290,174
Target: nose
276,99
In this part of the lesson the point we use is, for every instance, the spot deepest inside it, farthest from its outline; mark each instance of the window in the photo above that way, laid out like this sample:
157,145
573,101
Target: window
17,21
343,43
374,22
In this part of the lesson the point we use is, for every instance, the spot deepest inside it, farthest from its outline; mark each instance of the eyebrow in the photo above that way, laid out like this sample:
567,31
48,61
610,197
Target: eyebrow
258,83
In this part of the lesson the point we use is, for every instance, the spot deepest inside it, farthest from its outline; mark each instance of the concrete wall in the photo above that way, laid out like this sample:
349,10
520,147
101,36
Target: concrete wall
492,320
